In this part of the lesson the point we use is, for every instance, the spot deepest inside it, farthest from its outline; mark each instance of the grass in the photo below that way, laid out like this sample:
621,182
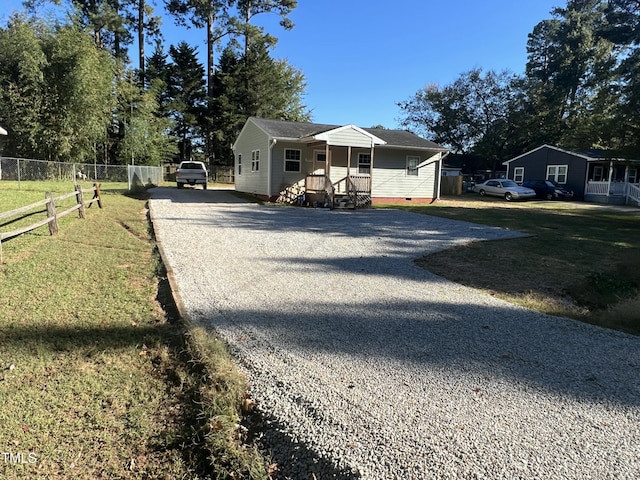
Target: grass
580,260
96,379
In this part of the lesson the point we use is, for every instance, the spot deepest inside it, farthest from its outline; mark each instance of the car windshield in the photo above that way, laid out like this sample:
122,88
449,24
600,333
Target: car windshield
551,184
509,183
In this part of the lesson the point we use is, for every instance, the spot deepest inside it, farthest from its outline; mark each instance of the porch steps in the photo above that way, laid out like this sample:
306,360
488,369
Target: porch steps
343,201
362,200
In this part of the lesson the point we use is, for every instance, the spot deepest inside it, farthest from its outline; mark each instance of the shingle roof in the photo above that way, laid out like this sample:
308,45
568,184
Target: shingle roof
285,129
297,130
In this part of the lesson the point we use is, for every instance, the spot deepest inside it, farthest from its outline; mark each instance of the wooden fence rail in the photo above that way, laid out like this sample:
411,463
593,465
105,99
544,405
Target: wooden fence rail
52,214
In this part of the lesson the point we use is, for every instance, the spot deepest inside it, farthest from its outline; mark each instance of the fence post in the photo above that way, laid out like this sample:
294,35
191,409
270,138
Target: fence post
97,194
51,213
80,201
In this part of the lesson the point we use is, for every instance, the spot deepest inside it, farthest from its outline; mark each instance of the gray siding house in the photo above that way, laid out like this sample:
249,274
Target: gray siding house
320,164
594,176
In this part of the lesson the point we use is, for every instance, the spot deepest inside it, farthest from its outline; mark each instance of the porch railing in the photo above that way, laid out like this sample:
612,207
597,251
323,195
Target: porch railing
634,192
606,188
318,184
357,188
597,188
629,190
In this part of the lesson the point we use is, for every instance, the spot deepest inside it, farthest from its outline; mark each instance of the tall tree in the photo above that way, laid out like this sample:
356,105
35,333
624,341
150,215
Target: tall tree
570,71
275,91
623,30
187,93
224,18
22,84
472,115
145,141
57,85
78,95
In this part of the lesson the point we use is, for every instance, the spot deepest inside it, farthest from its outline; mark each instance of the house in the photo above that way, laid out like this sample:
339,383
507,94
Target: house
594,176
335,165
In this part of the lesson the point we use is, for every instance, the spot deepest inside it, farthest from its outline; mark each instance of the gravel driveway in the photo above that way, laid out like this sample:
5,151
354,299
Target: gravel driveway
367,366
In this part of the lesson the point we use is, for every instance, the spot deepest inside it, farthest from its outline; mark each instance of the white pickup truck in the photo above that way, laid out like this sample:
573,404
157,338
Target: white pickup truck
192,173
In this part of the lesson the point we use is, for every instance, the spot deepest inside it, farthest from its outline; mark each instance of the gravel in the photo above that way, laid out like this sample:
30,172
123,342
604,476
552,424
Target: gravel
364,365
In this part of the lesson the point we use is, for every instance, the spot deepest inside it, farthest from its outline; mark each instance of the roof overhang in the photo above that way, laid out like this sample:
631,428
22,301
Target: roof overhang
415,147
2,131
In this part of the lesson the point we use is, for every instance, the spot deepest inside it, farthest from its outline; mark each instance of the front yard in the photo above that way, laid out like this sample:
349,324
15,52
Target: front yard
581,260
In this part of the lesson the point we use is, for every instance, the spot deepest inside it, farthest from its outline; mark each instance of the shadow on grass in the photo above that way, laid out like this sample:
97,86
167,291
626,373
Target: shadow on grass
98,338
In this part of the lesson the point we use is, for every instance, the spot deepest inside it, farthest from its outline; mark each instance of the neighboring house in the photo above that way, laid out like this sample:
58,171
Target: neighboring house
315,163
592,175
451,171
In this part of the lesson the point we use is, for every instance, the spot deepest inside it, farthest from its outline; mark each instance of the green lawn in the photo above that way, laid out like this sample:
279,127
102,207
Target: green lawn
580,260
95,382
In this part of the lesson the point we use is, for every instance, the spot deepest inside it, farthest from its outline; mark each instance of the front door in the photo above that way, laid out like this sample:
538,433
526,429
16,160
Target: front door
319,162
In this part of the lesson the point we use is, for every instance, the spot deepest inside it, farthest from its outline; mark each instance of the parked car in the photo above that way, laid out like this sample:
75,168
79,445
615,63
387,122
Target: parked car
548,189
192,173
508,189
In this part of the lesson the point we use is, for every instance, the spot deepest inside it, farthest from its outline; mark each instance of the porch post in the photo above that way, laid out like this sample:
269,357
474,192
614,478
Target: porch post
371,169
327,170
349,161
610,175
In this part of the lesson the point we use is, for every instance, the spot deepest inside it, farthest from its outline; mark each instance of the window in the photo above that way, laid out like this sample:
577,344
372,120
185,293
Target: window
557,173
364,163
412,165
633,175
598,173
239,164
291,160
255,161
518,174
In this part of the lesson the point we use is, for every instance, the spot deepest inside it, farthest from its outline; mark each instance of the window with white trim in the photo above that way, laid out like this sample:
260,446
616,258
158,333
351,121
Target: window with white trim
364,163
518,174
255,160
412,165
633,175
598,173
292,160
239,164
557,173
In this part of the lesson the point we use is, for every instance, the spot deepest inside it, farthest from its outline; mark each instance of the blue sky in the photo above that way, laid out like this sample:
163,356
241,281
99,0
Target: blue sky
361,57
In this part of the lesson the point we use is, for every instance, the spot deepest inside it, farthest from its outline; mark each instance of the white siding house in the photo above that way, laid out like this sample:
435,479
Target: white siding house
274,158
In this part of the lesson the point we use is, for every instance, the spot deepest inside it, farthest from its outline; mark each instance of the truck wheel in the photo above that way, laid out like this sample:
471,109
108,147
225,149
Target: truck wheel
204,186
180,185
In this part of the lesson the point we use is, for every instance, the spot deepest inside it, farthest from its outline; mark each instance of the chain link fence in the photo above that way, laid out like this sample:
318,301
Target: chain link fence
140,176
23,169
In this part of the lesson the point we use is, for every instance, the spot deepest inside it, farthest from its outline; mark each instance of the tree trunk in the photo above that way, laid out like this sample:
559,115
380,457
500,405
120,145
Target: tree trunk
210,93
141,59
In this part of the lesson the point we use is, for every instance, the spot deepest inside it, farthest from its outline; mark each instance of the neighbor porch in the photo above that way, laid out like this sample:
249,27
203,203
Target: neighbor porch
613,182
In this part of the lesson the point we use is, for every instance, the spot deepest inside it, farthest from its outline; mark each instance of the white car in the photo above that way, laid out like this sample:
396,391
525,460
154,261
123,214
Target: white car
508,189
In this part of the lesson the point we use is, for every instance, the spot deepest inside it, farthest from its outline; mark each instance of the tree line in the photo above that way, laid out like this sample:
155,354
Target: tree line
580,90
69,92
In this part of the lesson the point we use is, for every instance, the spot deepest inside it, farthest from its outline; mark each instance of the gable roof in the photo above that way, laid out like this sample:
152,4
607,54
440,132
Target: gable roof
588,155
300,131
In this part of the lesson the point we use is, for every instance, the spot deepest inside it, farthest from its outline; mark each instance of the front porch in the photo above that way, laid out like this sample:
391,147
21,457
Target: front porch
341,169
317,190
614,193
613,182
